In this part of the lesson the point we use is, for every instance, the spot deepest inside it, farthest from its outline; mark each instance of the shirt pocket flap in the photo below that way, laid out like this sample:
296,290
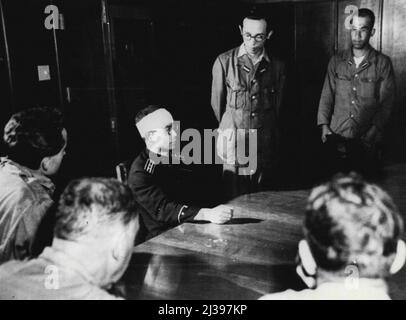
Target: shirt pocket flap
369,80
341,76
235,86
236,95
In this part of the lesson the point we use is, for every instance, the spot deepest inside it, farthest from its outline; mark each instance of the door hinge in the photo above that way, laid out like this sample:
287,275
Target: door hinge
104,14
113,125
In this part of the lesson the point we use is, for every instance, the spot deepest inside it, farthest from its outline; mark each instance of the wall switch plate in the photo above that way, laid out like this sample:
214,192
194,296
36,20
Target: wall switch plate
44,73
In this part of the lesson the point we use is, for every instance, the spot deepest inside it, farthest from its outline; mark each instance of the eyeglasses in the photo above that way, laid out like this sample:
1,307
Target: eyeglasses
258,37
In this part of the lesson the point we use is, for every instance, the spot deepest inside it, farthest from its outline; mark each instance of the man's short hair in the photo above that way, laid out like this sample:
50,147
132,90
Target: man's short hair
146,111
351,222
367,13
33,134
91,203
255,15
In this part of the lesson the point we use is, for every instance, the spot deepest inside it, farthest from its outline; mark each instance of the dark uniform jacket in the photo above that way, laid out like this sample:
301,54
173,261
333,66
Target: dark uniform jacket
354,99
162,192
247,96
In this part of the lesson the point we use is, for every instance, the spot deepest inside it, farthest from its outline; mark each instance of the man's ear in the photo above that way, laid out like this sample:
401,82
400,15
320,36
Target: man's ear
306,258
400,257
239,27
270,33
373,32
44,165
119,247
151,137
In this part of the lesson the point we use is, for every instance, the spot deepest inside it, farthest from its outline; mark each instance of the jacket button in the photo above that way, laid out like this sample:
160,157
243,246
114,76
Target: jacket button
253,97
253,114
355,89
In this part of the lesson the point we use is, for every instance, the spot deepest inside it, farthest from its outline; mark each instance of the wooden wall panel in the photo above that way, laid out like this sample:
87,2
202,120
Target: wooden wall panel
315,41
394,45
394,41
84,77
5,92
30,45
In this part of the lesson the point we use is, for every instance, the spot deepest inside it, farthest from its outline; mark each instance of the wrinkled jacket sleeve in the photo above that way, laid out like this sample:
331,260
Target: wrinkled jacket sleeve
387,92
218,89
26,231
156,203
326,104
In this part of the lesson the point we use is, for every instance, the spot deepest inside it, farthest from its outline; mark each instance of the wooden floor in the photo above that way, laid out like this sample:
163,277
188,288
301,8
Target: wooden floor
252,255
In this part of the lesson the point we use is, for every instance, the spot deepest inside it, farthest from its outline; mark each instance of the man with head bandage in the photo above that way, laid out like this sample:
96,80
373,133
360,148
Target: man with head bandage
157,184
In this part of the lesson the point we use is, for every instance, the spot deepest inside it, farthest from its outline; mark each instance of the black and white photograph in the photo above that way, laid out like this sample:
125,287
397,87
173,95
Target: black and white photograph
202,154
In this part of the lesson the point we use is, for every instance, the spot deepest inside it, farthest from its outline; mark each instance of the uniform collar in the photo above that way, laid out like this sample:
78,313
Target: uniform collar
376,288
27,174
243,51
60,258
155,158
162,159
370,56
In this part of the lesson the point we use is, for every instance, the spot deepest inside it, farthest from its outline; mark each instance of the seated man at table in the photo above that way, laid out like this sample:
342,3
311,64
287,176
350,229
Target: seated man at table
96,224
157,184
35,143
352,242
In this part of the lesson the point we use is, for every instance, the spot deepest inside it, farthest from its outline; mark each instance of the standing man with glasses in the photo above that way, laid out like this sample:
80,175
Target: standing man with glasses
246,97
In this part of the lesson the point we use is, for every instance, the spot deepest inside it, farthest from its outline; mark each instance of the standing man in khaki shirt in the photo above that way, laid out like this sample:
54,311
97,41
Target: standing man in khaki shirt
246,97
357,100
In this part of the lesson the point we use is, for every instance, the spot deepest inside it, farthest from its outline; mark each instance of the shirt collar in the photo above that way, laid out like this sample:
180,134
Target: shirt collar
27,174
243,51
370,56
60,258
376,288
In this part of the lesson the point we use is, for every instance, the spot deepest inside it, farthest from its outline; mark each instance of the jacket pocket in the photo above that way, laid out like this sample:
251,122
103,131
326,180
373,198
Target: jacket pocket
368,87
343,83
237,96
270,97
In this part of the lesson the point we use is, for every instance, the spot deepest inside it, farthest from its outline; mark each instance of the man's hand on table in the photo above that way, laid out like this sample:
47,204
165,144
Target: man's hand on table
220,214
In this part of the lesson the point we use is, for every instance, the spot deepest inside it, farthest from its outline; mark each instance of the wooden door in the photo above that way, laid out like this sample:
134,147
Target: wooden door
394,45
31,46
315,36
5,84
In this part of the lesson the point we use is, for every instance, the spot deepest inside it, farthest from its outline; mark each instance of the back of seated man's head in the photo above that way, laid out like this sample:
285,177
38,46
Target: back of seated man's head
35,138
155,125
350,222
99,215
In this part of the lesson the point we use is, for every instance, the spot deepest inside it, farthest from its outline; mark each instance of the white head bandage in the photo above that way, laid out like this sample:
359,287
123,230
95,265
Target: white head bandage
158,119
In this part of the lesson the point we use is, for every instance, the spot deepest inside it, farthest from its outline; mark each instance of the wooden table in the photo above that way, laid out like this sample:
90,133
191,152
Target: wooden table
252,255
